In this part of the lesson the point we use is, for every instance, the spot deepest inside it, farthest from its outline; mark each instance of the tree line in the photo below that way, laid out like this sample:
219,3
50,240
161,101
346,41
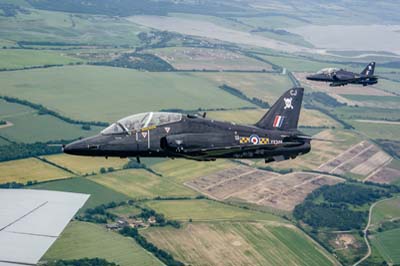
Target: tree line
15,151
162,255
241,95
81,262
42,110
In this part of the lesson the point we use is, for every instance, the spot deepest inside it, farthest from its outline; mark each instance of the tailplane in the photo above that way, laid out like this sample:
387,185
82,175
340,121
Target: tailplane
285,113
369,70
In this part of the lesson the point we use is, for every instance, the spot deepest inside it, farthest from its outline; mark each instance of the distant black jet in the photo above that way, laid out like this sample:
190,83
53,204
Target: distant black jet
340,77
158,134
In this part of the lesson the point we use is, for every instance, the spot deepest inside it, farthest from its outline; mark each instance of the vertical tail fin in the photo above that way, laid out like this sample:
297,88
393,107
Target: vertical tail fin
369,70
285,113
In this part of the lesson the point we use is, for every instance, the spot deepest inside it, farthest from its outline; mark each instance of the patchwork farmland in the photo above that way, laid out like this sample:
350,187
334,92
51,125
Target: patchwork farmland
363,160
234,243
261,187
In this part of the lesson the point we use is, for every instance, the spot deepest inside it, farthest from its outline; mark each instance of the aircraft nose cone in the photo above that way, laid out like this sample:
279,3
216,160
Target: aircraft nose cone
310,77
76,147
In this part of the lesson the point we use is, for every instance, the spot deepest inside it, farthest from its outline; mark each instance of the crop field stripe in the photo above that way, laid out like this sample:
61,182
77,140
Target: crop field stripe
387,244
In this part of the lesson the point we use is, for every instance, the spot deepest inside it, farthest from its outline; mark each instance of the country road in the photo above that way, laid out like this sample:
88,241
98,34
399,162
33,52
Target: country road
365,232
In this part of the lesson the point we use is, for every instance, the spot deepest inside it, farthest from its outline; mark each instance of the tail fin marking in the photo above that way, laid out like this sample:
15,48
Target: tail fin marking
284,114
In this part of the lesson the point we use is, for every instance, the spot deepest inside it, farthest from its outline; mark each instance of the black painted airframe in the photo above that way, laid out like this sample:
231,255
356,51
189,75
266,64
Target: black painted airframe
340,77
159,134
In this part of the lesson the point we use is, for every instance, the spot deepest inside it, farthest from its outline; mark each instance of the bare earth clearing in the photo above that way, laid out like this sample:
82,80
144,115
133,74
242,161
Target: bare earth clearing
261,187
364,159
190,58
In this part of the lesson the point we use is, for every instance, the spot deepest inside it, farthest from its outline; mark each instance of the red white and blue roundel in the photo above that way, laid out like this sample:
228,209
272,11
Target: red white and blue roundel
254,139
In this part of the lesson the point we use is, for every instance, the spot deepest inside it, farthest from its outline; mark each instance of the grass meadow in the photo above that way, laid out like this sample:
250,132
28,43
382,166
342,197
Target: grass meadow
239,243
98,194
84,164
30,169
139,183
206,210
87,240
107,93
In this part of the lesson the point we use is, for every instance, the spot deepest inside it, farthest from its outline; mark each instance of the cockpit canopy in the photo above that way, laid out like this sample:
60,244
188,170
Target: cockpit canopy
329,70
143,120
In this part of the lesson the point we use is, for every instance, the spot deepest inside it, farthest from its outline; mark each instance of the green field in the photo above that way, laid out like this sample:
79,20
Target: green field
265,86
367,113
139,183
30,169
125,210
388,245
53,27
86,240
207,210
376,101
378,130
27,58
308,117
182,170
108,94
98,193
28,126
389,85
386,210
240,243
85,165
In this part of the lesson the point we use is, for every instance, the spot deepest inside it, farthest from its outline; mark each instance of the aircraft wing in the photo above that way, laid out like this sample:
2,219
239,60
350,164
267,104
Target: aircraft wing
31,220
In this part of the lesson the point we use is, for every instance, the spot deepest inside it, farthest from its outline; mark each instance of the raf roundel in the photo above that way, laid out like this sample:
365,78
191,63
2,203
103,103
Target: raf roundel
254,139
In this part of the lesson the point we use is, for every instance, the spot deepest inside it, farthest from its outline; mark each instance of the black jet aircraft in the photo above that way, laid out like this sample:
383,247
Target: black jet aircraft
341,77
159,134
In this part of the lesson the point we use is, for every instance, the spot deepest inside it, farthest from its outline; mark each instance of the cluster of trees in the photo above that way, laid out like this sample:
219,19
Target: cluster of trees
14,184
99,214
324,99
272,30
351,193
160,218
138,61
33,67
3,122
104,170
81,262
390,146
22,150
241,95
42,110
280,171
162,255
156,39
337,209
337,216
389,225
11,185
